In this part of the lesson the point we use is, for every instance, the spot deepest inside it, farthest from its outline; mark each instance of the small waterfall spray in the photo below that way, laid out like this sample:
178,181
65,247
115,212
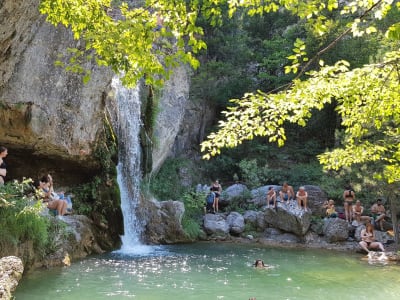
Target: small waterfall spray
128,169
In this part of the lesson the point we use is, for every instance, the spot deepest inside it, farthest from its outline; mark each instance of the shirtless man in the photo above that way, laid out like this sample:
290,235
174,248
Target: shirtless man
301,197
378,213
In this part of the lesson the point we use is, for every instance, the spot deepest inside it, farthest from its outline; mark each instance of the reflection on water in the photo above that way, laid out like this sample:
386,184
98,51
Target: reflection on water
215,271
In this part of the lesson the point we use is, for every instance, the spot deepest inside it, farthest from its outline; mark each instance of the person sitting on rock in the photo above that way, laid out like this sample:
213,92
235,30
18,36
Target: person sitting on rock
357,213
286,193
301,197
58,195
330,209
368,239
378,213
44,194
271,197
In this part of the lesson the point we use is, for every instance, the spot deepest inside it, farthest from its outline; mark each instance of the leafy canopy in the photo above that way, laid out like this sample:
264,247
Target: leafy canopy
126,39
367,98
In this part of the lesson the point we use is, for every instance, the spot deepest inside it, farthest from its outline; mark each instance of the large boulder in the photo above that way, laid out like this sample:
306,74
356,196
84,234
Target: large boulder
335,230
289,217
80,238
316,199
11,269
236,223
233,192
163,222
216,224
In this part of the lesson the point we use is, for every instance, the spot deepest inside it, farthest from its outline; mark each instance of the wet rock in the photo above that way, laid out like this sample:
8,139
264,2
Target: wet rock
11,269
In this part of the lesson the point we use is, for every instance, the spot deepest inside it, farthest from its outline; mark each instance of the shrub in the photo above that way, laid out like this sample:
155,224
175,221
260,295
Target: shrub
192,219
20,217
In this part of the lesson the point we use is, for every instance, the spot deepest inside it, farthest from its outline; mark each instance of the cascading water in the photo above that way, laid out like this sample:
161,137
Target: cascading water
128,169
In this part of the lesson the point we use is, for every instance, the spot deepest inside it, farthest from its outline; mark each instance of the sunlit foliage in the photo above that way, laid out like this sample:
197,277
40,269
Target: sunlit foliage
367,98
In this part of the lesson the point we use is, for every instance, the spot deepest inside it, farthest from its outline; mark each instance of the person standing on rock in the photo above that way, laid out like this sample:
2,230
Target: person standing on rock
348,197
217,189
3,167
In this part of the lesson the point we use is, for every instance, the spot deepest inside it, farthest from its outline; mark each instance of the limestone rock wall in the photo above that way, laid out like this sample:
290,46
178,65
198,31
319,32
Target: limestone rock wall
45,112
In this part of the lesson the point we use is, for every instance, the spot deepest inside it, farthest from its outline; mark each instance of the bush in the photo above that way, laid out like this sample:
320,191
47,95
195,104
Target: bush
20,217
175,178
192,219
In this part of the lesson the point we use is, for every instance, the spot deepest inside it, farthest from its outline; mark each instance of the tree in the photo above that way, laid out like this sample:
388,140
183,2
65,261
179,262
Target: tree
367,98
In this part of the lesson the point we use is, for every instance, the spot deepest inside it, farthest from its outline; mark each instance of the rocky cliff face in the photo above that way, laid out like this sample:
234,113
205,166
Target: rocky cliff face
49,118
51,122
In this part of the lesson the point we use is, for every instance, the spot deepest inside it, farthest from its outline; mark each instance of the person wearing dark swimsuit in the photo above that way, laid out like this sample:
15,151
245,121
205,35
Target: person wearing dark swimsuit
3,167
348,197
368,239
217,189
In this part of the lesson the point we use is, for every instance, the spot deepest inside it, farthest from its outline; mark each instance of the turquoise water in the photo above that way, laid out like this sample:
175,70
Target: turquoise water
209,271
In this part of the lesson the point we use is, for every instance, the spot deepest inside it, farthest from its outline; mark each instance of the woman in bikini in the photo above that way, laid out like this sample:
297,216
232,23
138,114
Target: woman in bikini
368,239
348,197
217,189
3,167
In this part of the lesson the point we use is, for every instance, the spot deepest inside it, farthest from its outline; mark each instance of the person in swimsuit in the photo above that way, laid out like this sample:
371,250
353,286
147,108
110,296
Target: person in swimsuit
271,197
259,264
378,213
301,197
44,194
348,197
368,239
357,213
286,193
3,167
217,189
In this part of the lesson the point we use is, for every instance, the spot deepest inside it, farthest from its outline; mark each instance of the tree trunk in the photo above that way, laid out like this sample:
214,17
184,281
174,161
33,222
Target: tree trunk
393,209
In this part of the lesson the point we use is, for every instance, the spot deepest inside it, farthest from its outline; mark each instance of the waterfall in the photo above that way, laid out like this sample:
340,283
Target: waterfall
128,169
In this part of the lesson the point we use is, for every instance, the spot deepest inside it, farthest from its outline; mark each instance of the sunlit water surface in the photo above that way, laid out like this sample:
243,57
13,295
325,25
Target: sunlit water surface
207,271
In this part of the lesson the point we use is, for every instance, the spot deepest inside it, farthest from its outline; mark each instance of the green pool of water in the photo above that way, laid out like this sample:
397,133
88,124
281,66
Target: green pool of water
207,271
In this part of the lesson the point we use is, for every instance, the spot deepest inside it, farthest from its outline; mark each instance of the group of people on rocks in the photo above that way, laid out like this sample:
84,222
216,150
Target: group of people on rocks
354,214
58,202
286,194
